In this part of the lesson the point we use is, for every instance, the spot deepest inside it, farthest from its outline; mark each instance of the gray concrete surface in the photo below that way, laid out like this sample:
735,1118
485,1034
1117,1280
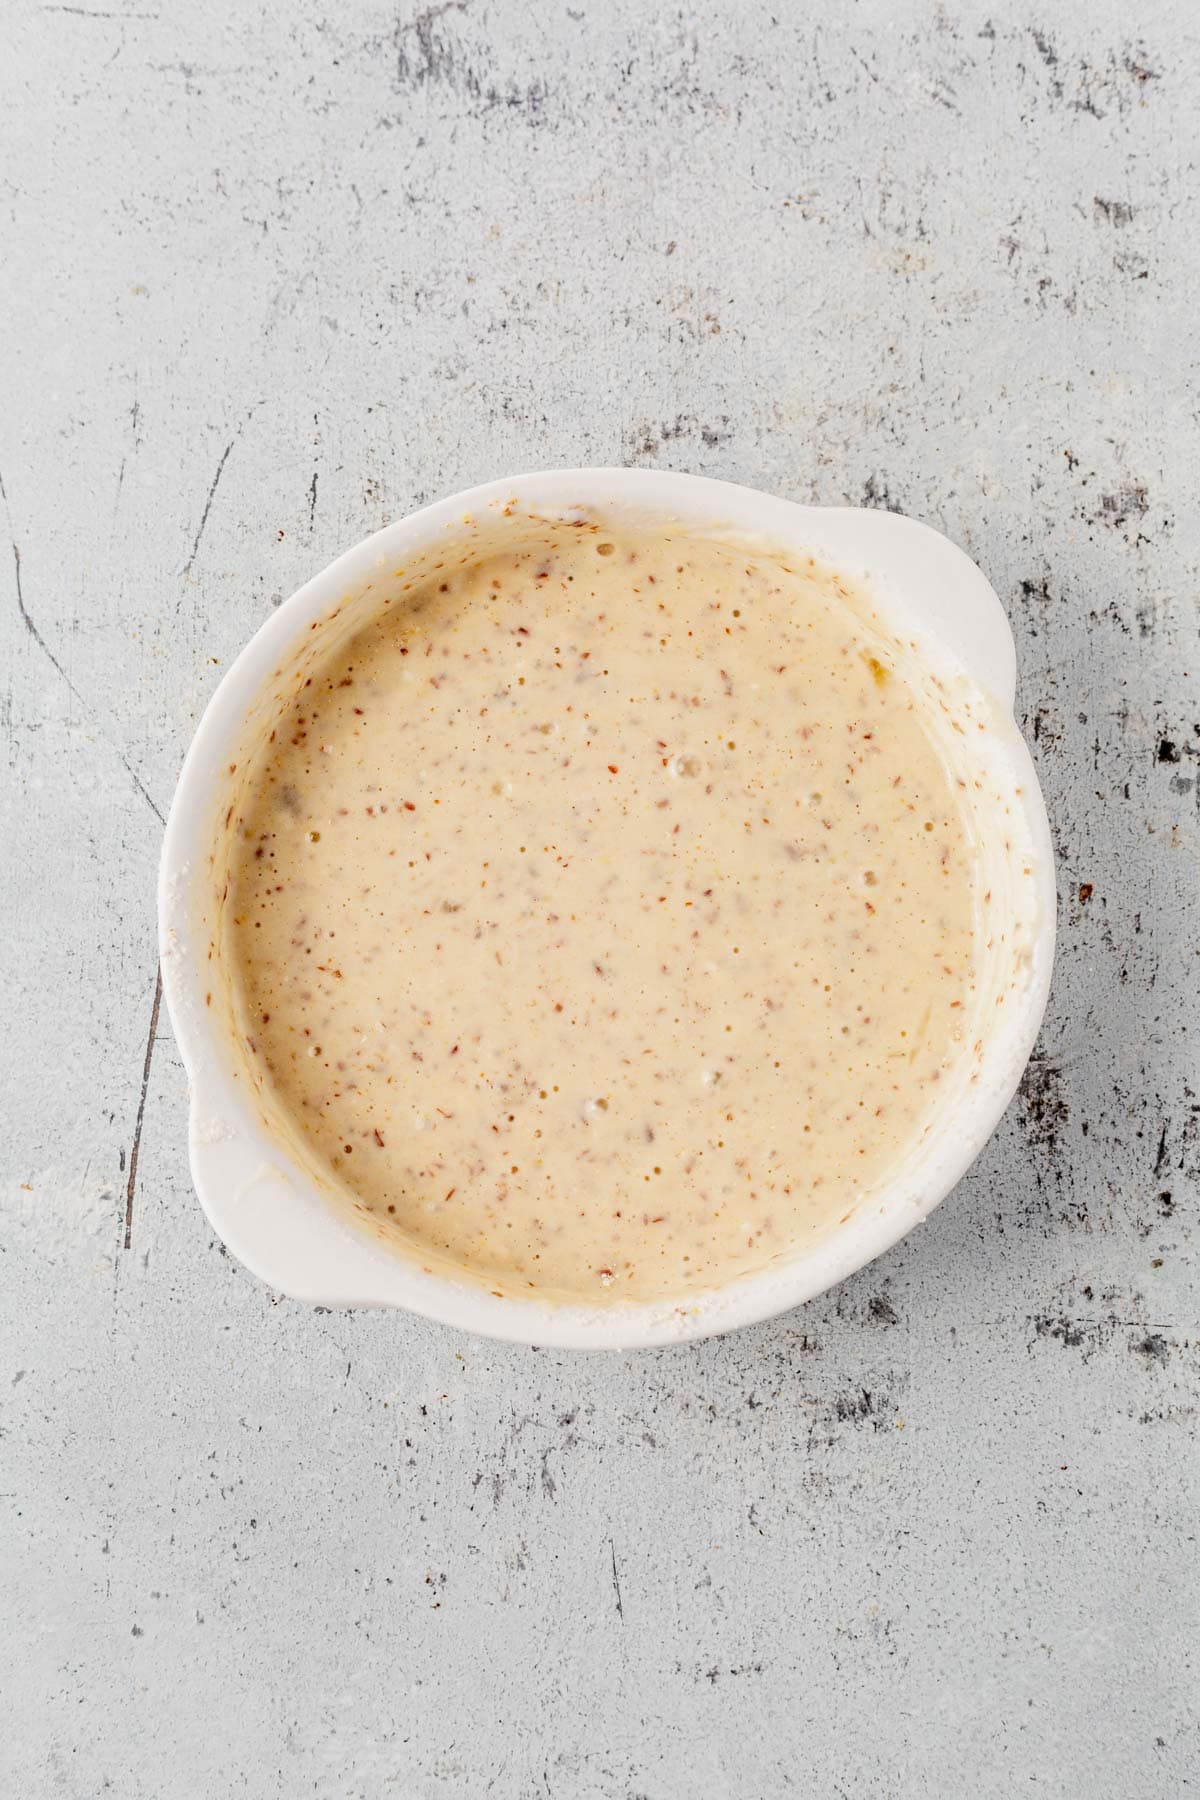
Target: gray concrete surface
273,275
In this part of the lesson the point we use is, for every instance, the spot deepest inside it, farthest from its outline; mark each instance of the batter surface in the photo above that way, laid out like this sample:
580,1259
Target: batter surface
603,914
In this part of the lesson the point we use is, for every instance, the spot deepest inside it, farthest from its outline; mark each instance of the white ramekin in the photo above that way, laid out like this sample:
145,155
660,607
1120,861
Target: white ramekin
271,1212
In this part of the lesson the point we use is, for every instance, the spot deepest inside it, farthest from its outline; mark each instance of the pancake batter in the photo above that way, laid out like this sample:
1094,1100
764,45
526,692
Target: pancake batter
603,915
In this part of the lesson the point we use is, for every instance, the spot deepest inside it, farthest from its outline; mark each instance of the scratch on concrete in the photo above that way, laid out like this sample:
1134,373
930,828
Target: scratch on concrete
616,1580
32,629
48,653
85,12
141,1111
187,567
117,495
1161,1157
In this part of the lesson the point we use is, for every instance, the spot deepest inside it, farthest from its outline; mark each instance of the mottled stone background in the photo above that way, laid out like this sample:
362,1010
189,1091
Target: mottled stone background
272,276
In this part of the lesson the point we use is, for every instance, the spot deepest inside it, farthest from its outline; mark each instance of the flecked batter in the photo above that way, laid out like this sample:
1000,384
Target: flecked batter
603,914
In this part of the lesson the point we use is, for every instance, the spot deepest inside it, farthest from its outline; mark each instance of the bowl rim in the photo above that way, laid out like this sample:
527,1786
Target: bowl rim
269,1213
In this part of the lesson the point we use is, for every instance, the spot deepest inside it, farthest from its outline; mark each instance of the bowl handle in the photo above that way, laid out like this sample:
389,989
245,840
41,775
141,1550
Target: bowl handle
946,594
282,1229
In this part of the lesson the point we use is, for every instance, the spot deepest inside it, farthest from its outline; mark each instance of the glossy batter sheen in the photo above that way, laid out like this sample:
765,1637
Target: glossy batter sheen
603,916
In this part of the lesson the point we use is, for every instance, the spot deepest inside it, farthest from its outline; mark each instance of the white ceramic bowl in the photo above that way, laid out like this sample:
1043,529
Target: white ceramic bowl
280,1219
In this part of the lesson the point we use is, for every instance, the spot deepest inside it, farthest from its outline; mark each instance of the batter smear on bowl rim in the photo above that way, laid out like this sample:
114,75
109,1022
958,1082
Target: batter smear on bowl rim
603,913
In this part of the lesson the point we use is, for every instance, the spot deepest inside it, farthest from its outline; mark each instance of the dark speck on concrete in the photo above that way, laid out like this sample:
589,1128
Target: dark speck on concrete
1043,1104
1114,212
1139,69
876,493
857,1408
422,53
684,428
1129,502
1061,1330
